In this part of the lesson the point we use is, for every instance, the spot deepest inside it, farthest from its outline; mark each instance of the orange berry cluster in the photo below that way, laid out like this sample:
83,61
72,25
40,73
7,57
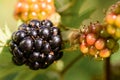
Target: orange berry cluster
112,20
95,41
34,9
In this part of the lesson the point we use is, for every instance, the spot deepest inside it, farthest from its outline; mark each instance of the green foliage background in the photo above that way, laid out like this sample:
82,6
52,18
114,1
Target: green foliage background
80,13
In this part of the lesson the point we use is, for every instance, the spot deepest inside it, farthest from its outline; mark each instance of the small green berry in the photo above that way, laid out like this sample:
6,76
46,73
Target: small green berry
104,33
115,48
110,43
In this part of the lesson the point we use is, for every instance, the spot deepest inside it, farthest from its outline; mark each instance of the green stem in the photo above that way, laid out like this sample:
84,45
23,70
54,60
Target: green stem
64,27
71,64
61,77
107,69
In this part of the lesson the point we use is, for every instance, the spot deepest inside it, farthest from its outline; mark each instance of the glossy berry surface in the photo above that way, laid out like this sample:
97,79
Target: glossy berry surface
96,41
37,44
34,9
112,20
90,38
100,44
105,53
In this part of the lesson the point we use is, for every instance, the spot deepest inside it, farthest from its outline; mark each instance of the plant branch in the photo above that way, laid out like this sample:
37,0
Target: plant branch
64,27
71,64
107,69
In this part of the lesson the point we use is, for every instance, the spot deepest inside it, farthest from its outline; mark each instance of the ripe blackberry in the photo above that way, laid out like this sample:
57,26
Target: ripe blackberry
47,23
34,9
12,46
37,44
18,36
18,61
95,41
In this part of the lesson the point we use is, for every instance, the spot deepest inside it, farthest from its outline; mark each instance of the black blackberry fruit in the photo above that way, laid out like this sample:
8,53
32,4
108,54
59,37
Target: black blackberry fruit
58,56
22,26
34,23
18,61
37,44
47,23
12,46
18,36
55,31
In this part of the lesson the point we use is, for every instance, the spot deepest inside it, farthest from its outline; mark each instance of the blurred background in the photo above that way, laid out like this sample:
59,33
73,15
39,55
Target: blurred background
84,69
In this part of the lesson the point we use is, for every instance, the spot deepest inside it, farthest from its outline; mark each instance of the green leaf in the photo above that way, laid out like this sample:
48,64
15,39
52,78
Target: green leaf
6,71
72,20
5,56
71,15
30,76
82,16
77,6
72,6
22,75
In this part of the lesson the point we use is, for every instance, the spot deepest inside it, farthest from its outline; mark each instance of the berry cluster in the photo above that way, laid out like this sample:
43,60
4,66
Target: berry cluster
37,44
95,41
34,9
112,20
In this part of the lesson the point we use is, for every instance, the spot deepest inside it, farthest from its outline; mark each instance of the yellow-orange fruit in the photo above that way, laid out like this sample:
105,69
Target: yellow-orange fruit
111,29
110,18
34,9
117,21
105,53
93,51
84,48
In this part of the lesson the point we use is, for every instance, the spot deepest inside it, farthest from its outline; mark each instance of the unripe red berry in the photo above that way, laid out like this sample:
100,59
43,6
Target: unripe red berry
100,44
90,38
95,28
82,37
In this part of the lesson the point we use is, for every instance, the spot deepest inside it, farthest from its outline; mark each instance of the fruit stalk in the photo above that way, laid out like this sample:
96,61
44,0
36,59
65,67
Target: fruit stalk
107,69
